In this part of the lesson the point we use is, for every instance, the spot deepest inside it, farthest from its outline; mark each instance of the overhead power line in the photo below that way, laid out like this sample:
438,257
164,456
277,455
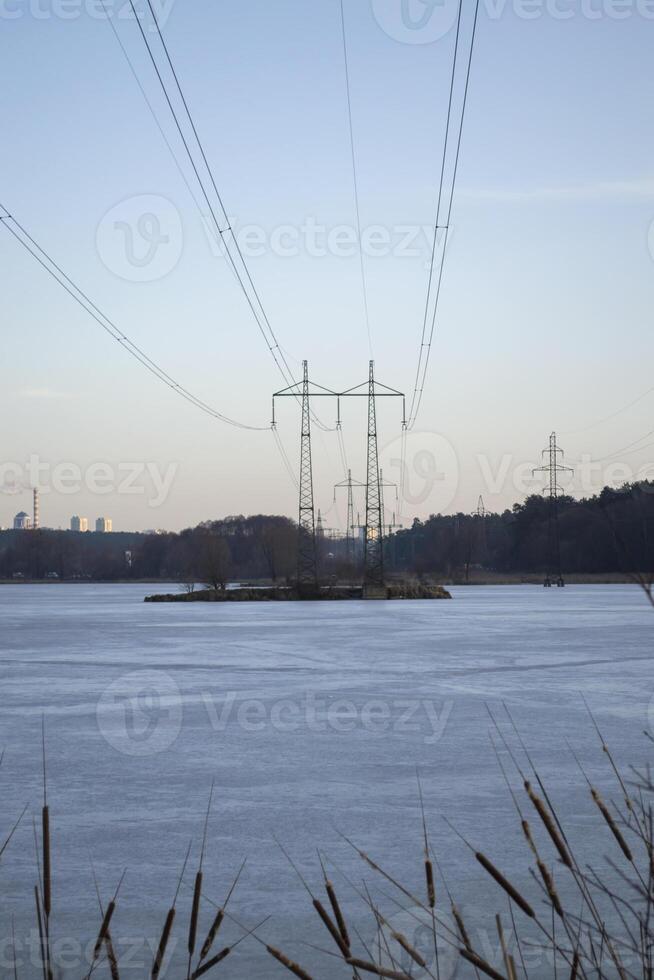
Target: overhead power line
613,415
223,229
45,260
445,200
362,269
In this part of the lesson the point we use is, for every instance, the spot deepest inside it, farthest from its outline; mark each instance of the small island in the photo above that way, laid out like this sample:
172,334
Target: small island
396,590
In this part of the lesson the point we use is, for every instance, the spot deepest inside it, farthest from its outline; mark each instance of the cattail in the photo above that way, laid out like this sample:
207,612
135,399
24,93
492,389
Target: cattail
331,928
613,827
104,929
47,873
431,890
214,961
195,912
463,932
111,957
548,881
549,825
338,915
482,965
526,830
211,935
290,965
163,943
408,948
380,971
506,885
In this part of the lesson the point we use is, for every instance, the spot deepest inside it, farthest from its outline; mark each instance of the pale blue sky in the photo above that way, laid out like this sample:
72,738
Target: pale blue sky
549,282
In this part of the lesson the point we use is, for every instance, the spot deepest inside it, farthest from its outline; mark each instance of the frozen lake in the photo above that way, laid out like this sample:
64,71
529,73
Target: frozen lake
310,717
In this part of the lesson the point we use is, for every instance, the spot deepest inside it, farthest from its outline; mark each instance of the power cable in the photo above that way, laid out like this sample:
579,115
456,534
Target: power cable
45,260
222,231
364,287
256,306
418,392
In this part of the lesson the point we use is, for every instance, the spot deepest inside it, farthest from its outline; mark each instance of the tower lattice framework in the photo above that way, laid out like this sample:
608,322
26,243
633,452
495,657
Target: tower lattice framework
373,578
307,571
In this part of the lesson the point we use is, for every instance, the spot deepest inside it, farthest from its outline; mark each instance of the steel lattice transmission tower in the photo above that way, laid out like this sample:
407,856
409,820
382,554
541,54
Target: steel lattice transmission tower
373,560
307,552
553,467
307,564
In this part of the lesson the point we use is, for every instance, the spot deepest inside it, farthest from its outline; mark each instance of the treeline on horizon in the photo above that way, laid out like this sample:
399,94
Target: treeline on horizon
612,532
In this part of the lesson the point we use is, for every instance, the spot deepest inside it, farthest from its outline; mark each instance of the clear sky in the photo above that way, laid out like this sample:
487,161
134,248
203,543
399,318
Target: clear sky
545,316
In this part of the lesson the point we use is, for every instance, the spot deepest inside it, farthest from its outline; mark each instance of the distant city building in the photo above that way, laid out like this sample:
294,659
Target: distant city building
104,525
79,523
22,522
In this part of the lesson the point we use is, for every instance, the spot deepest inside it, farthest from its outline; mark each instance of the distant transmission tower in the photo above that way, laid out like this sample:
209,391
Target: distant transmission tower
553,467
351,484
481,520
349,527
373,561
307,564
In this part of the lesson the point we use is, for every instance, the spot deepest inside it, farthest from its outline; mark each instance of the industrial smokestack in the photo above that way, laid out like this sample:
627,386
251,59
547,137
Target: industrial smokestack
35,522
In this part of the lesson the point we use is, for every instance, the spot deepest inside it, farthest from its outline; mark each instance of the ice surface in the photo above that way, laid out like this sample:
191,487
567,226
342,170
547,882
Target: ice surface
144,705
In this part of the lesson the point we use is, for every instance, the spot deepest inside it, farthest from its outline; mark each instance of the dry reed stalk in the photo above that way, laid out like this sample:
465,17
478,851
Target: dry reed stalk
197,892
375,867
211,935
431,890
104,929
505,884
195,913
549,825
209,965
411,950
331,928
480,964
219,918
552,893
290,965
508,961
336,908
47,870
168,924
379,971
460,924
13,831
39,919
612,825
338,915
574,970
163,944
111,953
111,957
203,968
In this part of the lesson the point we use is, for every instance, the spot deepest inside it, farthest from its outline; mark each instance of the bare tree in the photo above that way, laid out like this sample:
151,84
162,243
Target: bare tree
216,562
278,546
